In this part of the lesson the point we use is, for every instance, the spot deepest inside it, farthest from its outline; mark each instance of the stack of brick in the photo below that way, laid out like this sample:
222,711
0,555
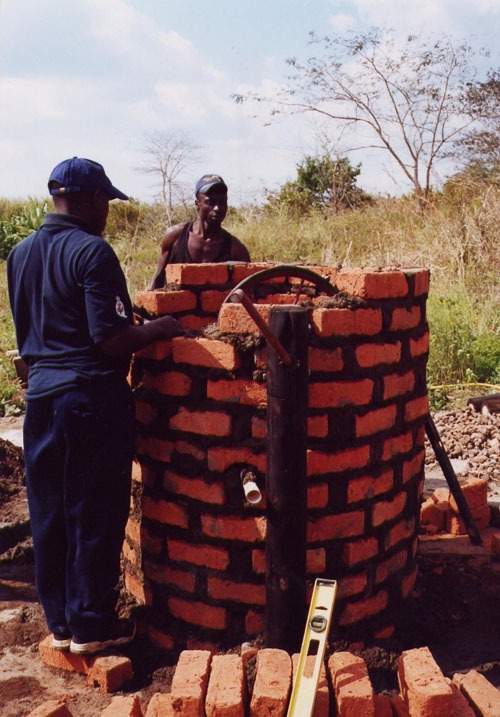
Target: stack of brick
440,513
206,684
195,550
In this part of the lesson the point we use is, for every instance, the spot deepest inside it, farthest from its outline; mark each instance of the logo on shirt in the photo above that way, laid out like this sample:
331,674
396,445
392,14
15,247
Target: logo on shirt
120,308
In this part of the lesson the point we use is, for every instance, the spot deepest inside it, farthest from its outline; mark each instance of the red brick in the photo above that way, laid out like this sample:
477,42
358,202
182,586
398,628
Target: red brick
346,322
205,352
110,673
319,463
160,705
422,278
405,318
461,706
158,350
195,488
166,575
259,561
403,443
325,359
165,512
190,449
395,564
408,582
380,419
226,687
423,686
124,706
162,302
481,694
238,391
332,527
368,486
273,677
399,706
475,492
197,613
414,467
234,318
481,516
432,513
241,271
156,448
358,551
206,423
340,393
211,300
368,355
419,347
357,611
353,690
51,708
372,283
197,274
219,589
388,509
317,495
317,426
190,683
62,660
417,408
315,561
195,323
220,459
254,623
352,585
398,385
145,413
201,554
401,531
168,383
248,530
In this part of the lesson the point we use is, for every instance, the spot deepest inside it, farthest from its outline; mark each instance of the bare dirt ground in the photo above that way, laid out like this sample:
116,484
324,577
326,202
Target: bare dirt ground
453,609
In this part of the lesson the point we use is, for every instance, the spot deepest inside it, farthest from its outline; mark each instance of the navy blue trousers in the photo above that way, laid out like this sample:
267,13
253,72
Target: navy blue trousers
78,450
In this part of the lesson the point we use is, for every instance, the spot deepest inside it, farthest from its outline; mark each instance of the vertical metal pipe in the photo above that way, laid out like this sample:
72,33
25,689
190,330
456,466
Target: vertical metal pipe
286,489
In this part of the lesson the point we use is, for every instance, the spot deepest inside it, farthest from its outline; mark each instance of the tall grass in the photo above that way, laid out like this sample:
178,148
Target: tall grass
457,238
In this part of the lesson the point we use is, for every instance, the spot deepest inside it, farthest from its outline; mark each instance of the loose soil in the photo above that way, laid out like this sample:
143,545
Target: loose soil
453,608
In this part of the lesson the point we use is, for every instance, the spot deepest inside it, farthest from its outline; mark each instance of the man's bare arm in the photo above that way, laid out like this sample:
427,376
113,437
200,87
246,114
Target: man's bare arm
166,246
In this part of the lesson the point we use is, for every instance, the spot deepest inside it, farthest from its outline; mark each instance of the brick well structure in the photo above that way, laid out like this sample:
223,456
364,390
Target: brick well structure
195,550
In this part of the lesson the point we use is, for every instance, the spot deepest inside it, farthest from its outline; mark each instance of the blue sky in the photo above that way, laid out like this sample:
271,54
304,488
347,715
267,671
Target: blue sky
94,78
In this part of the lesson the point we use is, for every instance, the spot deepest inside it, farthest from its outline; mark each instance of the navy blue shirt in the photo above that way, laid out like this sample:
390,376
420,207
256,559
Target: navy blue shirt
67,293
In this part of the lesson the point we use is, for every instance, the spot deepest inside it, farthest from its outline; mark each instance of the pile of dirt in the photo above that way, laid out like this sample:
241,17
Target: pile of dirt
453,608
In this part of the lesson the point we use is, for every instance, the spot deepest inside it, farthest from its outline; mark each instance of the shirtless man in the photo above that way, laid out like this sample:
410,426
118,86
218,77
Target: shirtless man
204,240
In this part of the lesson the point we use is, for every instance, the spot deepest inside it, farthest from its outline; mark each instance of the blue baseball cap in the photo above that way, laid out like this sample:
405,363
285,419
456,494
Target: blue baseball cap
82,175
205,183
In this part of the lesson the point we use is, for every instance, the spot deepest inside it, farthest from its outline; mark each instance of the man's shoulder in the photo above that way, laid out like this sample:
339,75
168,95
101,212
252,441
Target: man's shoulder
173,233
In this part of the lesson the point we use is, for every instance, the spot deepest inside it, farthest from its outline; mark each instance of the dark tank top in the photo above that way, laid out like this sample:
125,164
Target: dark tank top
180,254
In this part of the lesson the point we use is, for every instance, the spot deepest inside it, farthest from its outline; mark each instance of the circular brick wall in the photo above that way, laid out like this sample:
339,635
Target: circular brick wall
195,549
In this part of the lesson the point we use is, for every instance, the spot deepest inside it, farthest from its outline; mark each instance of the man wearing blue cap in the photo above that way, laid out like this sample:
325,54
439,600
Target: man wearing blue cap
204,240
75,330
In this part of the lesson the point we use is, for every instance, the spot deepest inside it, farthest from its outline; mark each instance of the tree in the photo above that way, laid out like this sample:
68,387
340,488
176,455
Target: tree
481,145
404,99
170,153
324,183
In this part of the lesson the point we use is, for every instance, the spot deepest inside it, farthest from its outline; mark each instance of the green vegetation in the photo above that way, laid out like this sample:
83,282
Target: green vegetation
457,237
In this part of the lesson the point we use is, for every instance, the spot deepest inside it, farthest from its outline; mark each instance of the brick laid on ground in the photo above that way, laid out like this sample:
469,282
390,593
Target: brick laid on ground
226,687
273,677
160,705
423,685
479,691
322,700
123,706
353,690
51,708
190,681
